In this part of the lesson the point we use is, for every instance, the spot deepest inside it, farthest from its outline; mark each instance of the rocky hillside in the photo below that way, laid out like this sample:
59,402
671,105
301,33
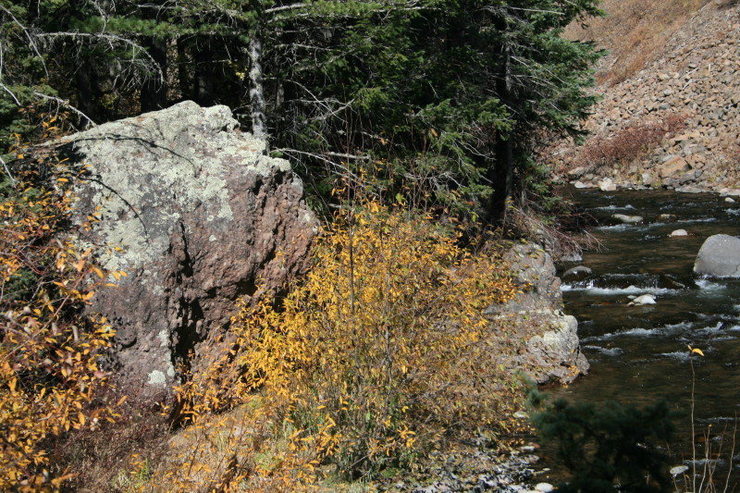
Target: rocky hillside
675,123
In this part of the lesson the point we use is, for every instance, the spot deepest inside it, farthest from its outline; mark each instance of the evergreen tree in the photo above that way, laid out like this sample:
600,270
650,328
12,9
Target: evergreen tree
437,100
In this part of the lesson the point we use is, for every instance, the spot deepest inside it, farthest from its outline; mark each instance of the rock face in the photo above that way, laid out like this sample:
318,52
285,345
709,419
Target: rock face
719,256
553,351
203,218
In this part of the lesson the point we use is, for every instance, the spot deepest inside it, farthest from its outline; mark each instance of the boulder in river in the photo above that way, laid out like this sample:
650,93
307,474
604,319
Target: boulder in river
203,218
719,256
627,219
644,299
679,232
578,272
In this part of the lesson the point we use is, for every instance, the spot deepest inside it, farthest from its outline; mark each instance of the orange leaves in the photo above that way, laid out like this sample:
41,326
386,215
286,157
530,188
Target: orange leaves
49,351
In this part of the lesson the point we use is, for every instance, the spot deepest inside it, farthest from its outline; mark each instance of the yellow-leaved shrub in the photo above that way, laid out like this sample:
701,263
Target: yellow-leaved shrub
380,353
49,350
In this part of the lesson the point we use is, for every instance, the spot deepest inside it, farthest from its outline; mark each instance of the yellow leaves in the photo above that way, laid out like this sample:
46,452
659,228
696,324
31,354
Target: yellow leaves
48,364
693,350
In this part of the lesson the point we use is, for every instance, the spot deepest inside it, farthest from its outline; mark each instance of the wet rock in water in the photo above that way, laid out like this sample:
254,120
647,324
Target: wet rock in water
729,200
667,217
607,185
719,256
203,218
645,299
571,257
578,272
679,232
544,487
580,184
627,219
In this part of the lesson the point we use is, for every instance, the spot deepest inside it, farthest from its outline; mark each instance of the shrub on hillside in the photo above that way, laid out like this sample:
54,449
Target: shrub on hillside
49,350
627,144
379,354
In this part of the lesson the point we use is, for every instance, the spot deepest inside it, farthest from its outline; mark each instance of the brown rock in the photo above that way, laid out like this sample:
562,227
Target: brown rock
203,218
673,166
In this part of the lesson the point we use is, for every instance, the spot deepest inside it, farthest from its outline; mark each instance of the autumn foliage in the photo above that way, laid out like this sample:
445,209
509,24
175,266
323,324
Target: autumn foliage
49,350
381,352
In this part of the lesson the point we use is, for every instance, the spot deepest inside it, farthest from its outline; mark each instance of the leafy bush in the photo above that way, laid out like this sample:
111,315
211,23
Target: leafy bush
379,354
49,350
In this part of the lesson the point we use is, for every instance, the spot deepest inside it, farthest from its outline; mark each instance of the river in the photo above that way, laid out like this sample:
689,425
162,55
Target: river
639,354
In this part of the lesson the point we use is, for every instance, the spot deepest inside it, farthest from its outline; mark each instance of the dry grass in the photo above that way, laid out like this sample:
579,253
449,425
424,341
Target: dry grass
634,32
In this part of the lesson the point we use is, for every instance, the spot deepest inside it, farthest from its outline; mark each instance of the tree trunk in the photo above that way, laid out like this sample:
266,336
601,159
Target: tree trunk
257,90
501,173
154,89
89,94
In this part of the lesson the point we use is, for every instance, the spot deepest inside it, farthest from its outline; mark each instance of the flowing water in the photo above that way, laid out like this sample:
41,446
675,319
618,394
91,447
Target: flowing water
639,354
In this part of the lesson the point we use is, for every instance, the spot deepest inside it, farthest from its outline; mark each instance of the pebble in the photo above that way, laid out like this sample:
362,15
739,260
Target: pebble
679,232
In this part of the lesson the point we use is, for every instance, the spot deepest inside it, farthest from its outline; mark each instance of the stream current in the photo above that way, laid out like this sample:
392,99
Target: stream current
639,354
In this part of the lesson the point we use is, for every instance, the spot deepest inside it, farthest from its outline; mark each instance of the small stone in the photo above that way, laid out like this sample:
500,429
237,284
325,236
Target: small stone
645,299
729,200
679,232
607,185
521,415
580,184
544,487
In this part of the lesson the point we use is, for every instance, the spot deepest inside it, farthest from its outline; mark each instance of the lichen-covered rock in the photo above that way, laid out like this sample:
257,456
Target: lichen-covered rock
552,345
719,256
202,218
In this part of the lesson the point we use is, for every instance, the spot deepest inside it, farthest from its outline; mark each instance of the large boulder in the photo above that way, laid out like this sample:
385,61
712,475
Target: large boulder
719,256
202,217
552,348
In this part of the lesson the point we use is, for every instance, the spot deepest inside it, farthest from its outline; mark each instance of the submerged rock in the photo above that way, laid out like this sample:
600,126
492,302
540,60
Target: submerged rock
578,272
719,256
627,219
203,217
